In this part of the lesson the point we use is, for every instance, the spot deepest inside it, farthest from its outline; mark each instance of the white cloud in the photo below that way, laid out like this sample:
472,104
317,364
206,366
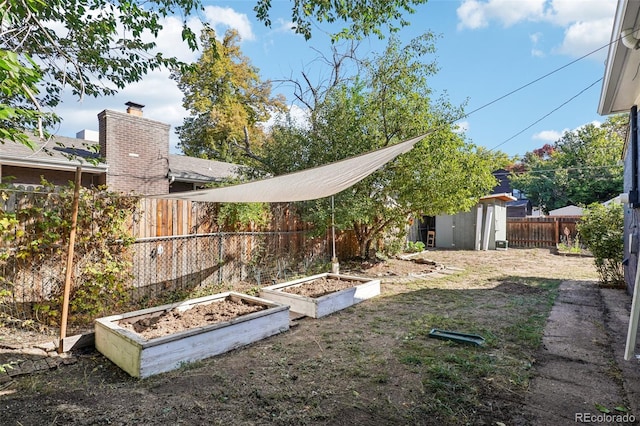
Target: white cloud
472,15
169,40
537,53
461,127
298,116
581,38
565,12
549,135
477,13
587,23
283,26
535,39
554,135
228,17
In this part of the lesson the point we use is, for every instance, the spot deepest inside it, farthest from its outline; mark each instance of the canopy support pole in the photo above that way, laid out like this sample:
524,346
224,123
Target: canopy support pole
335,265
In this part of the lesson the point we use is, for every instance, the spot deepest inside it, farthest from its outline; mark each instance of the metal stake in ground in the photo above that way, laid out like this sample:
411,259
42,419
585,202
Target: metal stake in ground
72,240
335,265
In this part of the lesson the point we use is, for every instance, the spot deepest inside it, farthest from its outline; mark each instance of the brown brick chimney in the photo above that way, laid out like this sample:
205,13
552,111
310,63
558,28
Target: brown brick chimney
136,151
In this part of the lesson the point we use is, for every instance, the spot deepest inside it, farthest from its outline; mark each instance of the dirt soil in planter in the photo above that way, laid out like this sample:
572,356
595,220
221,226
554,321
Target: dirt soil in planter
321,286
175,320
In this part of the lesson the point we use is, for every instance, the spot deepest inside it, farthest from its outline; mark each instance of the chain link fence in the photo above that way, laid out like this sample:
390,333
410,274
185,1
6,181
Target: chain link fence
227,261
148,271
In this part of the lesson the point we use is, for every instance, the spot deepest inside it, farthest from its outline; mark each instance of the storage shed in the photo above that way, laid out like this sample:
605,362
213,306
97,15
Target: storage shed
478,229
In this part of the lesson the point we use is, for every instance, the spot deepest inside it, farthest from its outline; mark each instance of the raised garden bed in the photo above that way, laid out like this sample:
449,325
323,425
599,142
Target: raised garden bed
319,295
211,325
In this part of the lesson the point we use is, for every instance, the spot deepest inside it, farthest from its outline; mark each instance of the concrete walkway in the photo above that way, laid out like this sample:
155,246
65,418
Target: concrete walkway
580,370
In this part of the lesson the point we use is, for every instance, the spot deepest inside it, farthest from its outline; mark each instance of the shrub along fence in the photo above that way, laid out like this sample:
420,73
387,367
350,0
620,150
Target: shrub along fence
546,231
172,250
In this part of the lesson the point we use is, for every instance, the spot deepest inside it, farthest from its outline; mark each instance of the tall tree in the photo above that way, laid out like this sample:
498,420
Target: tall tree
364,18
226,100
97,47
390,102
580,168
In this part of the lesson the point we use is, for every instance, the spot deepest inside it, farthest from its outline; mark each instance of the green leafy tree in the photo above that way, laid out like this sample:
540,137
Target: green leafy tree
226,100
96,47
364,18
389,102
581,168
93,47
601,230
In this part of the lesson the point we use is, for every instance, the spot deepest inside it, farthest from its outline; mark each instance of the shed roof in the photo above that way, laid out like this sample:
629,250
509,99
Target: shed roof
502,197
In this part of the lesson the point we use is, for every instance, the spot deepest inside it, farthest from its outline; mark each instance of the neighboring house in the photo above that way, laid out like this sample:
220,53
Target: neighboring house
570,210
129,154
621,94
519,208
478,229
504,185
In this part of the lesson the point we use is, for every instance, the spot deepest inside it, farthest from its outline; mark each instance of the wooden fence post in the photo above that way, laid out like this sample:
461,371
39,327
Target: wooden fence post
67,279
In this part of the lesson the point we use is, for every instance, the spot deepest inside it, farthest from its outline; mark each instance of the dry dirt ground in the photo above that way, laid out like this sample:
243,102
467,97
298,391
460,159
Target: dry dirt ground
370,364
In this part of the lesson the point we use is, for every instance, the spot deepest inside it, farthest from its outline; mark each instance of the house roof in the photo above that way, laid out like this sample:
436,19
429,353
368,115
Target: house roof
192,169
570,210
518,203
65,153
620,89
55,153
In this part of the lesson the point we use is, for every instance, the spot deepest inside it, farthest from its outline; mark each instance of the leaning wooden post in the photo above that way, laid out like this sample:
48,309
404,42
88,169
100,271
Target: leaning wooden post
67,278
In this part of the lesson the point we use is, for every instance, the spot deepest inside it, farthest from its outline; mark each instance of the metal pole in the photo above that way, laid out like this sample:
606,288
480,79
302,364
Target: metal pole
333,228
72,240
335,266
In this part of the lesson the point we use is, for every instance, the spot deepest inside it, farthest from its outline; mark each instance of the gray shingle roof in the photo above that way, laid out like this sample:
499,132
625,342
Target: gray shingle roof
57,151
192,169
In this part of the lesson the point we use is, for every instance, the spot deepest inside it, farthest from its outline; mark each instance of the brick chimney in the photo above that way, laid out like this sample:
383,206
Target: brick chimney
136,151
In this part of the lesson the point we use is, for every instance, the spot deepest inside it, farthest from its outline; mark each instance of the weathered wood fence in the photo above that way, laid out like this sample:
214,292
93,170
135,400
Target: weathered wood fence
166,218
179,218
545,231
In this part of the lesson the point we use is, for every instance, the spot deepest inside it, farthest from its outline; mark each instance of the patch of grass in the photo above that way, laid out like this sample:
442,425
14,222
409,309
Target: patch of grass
511,318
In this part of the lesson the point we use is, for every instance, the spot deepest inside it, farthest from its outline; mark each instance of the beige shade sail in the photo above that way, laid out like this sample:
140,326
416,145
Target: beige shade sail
309,184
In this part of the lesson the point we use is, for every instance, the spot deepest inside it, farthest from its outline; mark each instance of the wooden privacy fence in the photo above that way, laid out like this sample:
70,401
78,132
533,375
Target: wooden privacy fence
546,231
165,218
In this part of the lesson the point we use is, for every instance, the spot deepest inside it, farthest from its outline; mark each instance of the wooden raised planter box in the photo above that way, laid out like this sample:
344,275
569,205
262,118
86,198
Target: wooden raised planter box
142,357
316,307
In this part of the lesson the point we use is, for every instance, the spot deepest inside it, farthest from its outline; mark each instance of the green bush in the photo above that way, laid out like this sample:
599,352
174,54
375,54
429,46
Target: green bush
415,246
601,230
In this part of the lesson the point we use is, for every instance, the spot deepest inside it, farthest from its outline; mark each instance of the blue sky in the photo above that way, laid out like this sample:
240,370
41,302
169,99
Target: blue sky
485,49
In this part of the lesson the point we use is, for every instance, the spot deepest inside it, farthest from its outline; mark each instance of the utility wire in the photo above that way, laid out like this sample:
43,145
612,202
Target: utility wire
547,114
533,82
556,170
536,80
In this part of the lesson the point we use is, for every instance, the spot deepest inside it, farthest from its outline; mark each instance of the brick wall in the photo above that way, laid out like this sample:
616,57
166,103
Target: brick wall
137,152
